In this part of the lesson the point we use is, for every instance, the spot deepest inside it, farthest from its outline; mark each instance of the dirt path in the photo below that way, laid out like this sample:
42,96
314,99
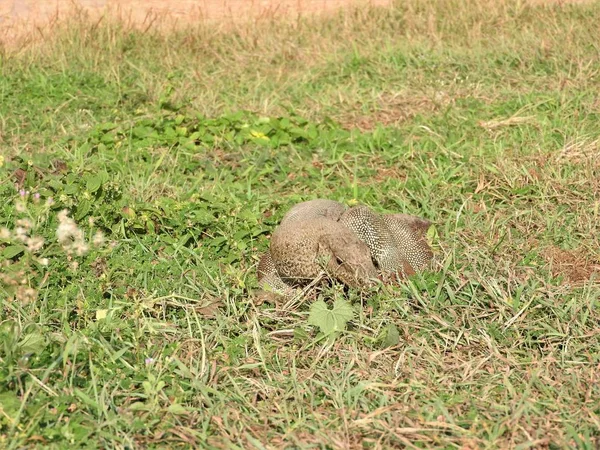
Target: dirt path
19,17
24,18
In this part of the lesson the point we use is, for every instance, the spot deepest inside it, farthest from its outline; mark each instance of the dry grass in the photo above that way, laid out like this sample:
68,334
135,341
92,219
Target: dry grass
481,116
26,21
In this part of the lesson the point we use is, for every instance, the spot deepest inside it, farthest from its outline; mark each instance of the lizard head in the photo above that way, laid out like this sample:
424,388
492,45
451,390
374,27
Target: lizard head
347,259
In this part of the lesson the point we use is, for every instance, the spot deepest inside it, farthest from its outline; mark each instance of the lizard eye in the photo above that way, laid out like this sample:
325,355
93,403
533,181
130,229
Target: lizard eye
339,260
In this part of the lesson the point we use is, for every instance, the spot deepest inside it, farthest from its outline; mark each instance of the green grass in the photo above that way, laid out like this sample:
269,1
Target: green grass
480,116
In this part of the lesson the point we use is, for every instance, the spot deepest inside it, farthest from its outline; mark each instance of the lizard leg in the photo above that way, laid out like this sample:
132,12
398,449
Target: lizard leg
269,279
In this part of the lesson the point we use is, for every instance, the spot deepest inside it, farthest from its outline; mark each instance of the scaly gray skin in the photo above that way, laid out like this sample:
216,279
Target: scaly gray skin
301,250
351,244
397,241
410,237
313,209
270,279
310,240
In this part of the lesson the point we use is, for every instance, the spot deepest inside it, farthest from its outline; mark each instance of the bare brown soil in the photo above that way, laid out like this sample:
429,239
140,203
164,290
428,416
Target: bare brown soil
19,17
575,266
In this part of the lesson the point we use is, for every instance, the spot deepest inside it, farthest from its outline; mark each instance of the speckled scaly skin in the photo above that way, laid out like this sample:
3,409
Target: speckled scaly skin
302,249
410,238
352,245
397,241
313,209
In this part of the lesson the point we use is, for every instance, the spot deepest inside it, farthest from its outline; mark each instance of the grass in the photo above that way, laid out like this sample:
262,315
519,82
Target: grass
185,150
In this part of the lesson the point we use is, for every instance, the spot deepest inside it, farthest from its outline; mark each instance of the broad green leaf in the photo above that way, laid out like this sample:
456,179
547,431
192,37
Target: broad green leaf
147,387
72,189
33,342
93,183
9,403
343,310
392,336
330,320
83,209
12,250
139,406
176,408
432,235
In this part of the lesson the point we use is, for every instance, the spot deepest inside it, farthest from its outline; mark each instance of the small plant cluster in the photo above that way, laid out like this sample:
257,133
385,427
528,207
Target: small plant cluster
26,253
71,237
21,249
190,132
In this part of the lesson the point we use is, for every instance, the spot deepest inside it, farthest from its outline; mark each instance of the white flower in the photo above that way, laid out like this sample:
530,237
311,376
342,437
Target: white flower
63,216
21,234
69,235
20,207
98,238
67,231
35,244
25,223
5,234
81,248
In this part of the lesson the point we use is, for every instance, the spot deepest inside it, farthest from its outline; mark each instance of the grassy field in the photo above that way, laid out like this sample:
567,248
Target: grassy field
131,322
